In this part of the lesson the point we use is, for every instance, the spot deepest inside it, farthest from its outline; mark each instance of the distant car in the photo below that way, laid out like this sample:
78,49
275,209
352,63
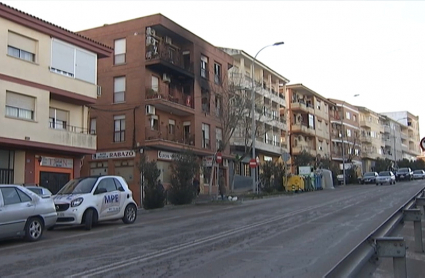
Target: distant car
340,178
404,174
418,174
24,213
368,177
385,177
41,191
88,200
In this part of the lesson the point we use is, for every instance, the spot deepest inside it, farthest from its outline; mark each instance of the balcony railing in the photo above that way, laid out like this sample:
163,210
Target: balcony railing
168,53
172,95
164,134
73,136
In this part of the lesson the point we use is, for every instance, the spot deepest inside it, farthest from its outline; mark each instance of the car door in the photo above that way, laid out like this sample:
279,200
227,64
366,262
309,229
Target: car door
109,200
17,206
123,193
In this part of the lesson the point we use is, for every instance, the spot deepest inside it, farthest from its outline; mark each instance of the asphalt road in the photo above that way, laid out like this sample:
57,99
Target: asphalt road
301,235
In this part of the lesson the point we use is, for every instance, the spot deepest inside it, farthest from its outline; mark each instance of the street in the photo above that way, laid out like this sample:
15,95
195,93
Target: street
300,235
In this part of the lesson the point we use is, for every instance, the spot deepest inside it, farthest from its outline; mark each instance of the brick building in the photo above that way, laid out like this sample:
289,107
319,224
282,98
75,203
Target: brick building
157,98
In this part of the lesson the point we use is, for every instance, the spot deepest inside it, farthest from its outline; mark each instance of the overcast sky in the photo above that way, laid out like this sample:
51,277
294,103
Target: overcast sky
336,48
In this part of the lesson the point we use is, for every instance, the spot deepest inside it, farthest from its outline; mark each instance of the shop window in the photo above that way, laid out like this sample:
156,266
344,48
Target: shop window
125,169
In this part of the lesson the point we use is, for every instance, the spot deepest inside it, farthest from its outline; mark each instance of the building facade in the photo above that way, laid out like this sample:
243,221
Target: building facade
345,134
408,129
309,115
374,140
158,98
48,78
270,116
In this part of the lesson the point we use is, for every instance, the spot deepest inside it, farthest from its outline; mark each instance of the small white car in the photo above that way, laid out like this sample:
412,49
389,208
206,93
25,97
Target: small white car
385,177
24,213
418,174
88,200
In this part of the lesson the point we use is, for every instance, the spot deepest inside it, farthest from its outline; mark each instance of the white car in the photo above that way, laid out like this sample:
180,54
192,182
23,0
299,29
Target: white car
89,200
24,213
385,177
418,174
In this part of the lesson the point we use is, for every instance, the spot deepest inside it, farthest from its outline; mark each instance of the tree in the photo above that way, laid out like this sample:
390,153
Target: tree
184,167
383,164
153,195
304,159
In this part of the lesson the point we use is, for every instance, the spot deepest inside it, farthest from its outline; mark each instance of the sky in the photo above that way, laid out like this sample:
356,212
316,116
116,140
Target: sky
339,49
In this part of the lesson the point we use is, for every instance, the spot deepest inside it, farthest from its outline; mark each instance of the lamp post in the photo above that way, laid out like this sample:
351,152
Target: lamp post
253,127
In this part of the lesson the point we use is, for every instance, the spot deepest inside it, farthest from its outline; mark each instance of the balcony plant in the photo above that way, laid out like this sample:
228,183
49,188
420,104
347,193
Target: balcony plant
151,93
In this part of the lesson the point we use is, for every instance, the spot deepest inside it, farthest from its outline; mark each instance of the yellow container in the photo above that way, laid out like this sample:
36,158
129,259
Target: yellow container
295,183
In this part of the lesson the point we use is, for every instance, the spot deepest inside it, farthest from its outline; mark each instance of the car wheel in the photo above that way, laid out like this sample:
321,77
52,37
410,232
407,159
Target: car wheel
34,229
130,214
88,219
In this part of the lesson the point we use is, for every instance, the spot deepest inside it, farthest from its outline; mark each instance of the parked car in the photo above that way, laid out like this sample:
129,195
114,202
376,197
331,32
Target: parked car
418,174
39,190
368,177
340,178
24,213
89,200
385,177
404,174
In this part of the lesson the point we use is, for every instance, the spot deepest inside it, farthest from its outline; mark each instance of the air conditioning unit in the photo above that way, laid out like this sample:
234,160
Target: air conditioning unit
225,163
99,90
168,40
150,31
166,78
150,110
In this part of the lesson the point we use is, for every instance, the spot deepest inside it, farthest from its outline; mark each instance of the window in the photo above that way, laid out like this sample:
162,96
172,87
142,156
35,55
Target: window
73,62
347,115
205,100
171,127
218,109
58,118
155,83
14,196
204,66
217,73
205,136
119,51
355,118
93,126
20,106
348,133
318,104
119,128
153,122
108,184
219,138
21,47
119,89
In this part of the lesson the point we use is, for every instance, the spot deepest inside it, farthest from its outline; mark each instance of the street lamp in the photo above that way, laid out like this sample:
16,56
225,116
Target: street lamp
253,127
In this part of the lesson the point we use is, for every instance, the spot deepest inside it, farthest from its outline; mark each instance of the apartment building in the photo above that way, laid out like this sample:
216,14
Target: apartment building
48,79
345,134
309,114
408,129
158,98
375,141
271,127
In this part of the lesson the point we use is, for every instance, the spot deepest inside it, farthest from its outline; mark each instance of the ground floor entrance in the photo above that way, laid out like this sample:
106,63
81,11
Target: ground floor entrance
53,181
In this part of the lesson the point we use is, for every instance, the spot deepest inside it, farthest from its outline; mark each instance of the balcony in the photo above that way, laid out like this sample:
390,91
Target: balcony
72,136
364,123
166,58
366,139
175,102
299,149
299,106
298,128
172,141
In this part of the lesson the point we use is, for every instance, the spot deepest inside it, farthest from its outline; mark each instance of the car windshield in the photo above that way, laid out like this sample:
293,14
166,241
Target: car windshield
417,172
369,174
78,186
402,170
385,173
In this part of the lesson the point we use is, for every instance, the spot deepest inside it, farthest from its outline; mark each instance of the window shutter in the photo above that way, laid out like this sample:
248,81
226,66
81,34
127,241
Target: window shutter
21,42
20,101
85,68
63,57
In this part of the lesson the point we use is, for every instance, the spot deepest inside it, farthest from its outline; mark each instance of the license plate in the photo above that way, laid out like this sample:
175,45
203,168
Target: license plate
61,214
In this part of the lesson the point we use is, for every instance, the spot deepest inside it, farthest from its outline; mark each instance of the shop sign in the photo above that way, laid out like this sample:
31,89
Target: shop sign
165,155
114,154
57,162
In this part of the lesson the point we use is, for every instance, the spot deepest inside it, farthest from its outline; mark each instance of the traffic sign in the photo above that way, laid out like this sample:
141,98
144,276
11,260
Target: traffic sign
423,144
285,156
252,163
219,158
